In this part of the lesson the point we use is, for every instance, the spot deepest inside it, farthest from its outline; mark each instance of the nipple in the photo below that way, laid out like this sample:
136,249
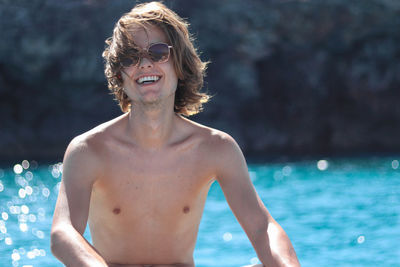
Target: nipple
116,210
186,209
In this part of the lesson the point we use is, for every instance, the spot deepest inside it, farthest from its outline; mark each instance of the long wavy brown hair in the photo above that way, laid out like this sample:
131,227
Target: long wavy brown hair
187,63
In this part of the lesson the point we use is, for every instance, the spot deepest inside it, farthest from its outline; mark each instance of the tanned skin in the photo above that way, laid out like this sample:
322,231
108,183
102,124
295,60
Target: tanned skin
141,181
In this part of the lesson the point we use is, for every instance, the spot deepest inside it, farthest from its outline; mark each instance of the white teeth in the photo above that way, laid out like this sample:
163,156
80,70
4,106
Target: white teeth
148,79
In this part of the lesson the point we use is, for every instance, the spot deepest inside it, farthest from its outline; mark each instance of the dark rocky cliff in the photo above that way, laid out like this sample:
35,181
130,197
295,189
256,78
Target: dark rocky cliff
288,77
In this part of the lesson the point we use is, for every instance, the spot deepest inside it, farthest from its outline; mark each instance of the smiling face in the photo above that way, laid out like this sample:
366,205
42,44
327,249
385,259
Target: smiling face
150,83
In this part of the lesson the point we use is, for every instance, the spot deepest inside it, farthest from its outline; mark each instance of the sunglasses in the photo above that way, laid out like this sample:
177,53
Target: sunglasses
157,52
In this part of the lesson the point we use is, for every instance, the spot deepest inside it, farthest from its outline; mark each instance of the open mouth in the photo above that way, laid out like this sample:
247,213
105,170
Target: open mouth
148,79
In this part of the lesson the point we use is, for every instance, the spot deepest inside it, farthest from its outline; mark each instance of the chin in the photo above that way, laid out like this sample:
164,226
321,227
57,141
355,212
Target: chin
151,101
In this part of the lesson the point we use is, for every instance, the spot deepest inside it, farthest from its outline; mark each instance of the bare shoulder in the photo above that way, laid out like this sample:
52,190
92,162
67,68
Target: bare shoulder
222,153
216,143
85,151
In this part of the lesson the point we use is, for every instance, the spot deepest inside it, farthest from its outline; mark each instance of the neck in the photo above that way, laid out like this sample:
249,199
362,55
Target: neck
151,128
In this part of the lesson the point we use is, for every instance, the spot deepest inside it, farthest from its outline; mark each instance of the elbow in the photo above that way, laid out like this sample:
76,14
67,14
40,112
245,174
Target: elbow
55,237
281,246
58,237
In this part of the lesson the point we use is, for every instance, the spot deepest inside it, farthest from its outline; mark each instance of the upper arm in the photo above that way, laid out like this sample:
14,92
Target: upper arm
267,236
80,170
233,177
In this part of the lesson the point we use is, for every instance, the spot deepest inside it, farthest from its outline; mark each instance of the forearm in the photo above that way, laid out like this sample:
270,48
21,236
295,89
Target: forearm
72,249
274,248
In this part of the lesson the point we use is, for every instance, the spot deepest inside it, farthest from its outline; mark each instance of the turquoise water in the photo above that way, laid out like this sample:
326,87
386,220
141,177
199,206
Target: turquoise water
339,212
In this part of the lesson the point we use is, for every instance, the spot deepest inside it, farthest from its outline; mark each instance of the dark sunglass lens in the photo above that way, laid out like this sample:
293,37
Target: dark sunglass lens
129,61
159,52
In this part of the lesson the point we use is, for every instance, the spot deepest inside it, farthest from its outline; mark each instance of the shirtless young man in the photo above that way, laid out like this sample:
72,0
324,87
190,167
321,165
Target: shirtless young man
142,179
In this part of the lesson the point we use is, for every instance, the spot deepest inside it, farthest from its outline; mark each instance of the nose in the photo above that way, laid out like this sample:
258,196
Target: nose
145,63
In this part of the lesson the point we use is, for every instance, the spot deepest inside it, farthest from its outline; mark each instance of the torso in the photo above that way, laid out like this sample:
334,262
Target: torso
146,206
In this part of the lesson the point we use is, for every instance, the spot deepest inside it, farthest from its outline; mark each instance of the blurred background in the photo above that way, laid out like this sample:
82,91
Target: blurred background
289,77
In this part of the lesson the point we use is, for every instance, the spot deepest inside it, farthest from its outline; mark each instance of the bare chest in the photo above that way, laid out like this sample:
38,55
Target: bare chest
145,204
159,187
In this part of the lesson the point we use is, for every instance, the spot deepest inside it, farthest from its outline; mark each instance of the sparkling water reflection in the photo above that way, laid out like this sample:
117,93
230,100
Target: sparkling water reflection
336,212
